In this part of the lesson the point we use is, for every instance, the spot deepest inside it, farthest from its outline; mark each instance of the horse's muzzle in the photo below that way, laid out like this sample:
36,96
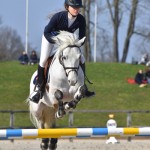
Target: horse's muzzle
72,82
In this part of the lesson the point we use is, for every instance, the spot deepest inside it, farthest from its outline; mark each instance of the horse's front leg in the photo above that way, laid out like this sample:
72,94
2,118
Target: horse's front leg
77,97
61,111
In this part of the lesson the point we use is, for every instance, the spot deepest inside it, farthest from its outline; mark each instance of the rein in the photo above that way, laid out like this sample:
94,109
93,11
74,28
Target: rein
75,69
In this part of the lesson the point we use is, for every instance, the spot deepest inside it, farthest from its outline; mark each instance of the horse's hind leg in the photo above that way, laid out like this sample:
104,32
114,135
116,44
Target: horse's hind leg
53,144
45,141
44,144
48,121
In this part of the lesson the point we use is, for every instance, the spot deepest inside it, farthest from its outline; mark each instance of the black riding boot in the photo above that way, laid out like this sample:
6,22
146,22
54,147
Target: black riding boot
87,92
40,86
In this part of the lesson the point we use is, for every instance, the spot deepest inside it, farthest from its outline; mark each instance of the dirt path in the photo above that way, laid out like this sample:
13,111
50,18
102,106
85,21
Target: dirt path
81,144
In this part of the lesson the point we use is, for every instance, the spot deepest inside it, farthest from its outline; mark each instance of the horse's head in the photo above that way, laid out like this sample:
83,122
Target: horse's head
69,54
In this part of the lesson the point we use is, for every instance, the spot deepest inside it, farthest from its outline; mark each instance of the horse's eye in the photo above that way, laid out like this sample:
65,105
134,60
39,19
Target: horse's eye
63,58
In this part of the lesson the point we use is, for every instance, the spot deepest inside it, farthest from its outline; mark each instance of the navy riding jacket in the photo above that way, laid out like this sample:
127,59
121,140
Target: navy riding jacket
60,22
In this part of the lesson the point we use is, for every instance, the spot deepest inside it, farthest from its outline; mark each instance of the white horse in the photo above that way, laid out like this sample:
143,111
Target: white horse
65,85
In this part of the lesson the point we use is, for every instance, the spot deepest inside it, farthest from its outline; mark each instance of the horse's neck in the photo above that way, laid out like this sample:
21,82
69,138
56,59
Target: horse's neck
56,69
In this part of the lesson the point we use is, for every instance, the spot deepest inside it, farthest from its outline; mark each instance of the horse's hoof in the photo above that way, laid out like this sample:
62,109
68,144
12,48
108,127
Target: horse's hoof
71,105
44,146
66,106
58,116
52,146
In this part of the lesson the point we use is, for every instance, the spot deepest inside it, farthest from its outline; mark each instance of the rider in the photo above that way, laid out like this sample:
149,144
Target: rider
68,20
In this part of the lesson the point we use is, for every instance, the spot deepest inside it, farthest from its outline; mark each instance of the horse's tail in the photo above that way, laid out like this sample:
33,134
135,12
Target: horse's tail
33,118
31,105
40,114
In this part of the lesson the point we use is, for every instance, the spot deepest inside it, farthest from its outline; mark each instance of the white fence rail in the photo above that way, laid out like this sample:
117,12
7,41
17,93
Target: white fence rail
71,117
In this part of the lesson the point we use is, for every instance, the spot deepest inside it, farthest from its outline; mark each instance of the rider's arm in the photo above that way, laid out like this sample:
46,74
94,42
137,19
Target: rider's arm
50,29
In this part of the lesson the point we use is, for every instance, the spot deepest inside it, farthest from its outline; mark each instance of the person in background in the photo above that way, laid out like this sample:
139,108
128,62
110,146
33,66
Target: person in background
23,58
140,78
144,59
33,58
69,20
147,74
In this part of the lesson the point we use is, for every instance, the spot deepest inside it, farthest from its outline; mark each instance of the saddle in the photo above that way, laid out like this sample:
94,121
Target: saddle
47,65
46,69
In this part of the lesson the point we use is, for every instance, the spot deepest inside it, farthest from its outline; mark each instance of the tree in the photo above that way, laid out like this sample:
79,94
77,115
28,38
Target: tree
10,44
114,13
130,30
86,13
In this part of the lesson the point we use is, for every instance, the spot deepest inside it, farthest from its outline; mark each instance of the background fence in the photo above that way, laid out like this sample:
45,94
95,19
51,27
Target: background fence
10,115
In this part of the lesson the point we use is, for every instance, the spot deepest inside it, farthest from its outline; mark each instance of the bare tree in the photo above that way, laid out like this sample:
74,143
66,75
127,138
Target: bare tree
114,13
130,30
10,44
124,17
86,13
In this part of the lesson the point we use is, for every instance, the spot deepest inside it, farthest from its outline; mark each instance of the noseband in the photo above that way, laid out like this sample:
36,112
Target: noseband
75,69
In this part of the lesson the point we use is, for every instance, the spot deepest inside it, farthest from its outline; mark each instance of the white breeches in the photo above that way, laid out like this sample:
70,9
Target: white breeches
48,49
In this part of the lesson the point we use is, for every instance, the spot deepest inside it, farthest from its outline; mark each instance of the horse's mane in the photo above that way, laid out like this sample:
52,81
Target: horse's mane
63,39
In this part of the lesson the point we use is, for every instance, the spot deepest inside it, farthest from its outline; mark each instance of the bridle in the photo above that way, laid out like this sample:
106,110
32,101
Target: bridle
75,69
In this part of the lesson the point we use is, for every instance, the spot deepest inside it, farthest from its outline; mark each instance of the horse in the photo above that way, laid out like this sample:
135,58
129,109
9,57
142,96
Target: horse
65,81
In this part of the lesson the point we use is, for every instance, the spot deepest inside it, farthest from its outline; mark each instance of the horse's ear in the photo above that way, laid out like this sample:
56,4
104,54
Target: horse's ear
76,33
80,42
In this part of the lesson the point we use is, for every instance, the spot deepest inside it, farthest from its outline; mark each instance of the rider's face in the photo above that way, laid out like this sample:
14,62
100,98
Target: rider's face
74,10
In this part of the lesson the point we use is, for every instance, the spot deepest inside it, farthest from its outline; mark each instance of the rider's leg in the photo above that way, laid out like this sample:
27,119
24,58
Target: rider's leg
87,92
46,48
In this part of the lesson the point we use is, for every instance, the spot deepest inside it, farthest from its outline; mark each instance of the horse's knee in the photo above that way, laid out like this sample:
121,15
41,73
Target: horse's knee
58,95
80,92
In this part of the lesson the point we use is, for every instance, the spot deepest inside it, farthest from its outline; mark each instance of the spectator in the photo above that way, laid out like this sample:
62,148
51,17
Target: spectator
23,58
140,78
144,59
147,74
33,58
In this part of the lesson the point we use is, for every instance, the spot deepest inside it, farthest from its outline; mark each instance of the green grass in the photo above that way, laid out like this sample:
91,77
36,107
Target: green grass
110,84
14,87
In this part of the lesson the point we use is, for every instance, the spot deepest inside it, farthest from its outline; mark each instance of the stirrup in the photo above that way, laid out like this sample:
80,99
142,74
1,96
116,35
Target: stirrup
39,94
37,97
88,94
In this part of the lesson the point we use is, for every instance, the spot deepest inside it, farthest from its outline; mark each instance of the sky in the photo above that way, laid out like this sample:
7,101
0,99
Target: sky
13,14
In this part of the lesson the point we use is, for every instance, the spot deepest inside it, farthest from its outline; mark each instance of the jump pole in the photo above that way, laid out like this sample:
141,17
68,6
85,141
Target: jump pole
71,132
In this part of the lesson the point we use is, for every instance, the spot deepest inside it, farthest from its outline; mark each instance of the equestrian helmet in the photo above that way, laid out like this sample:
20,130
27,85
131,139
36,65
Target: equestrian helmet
74,3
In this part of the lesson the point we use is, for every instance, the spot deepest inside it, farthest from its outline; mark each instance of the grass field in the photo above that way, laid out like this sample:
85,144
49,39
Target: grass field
110,84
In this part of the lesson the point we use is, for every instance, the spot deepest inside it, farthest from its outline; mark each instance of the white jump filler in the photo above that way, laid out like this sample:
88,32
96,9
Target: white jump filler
111,124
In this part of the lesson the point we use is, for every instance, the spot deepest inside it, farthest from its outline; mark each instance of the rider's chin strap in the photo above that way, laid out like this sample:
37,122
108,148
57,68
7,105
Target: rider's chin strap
72,15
